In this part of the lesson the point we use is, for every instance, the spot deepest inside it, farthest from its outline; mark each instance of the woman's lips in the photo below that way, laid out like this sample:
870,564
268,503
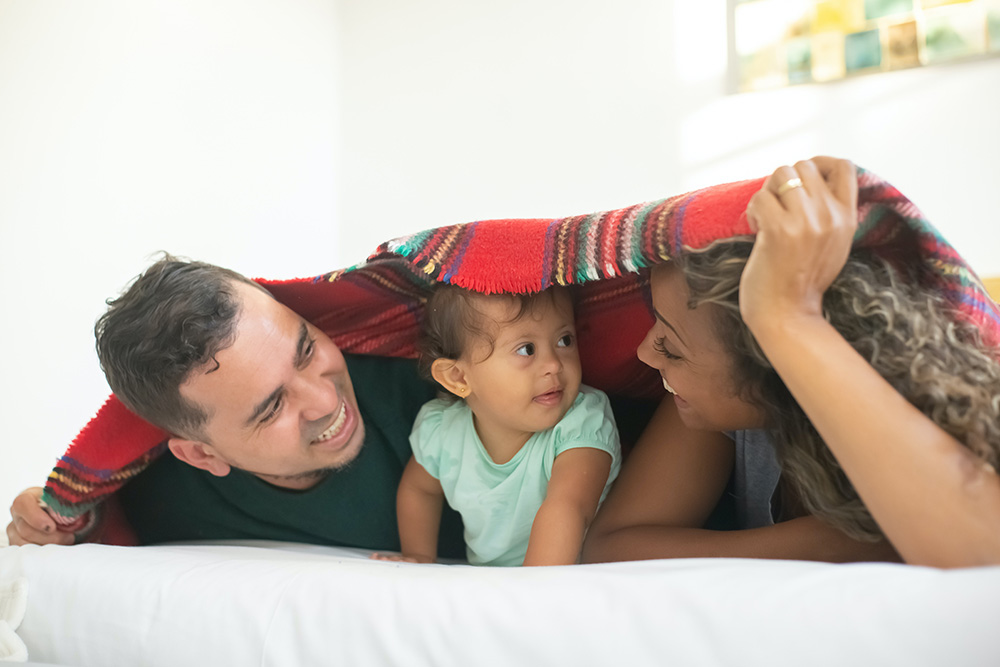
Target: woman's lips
681,403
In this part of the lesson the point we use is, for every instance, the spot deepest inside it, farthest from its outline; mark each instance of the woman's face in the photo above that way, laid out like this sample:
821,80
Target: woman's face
684,347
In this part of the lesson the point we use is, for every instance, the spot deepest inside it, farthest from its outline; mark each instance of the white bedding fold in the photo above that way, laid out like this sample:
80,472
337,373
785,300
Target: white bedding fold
13,601
275,604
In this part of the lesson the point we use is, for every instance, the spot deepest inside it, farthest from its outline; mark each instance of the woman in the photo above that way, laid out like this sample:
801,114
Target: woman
792,350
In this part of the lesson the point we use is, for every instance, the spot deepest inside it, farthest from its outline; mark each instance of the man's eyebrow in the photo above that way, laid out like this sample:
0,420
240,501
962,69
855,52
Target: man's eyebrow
264,405
300,347
668,325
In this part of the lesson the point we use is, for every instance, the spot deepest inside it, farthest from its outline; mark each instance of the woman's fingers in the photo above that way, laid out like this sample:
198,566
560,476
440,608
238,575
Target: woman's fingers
777,195
843,180
804,217
763,208
788,186
814,185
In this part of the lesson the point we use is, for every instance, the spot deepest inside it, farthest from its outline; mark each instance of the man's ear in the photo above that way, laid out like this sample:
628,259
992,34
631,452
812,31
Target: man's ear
449,374
199,455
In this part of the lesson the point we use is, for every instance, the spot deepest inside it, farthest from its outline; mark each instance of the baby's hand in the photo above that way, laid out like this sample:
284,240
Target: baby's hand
400,558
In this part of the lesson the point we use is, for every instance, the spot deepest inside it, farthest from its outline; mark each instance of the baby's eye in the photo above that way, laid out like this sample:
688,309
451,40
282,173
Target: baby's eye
526,350
565,341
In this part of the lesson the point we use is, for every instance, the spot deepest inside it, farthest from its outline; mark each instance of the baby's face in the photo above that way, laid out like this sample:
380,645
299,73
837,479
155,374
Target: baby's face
532,377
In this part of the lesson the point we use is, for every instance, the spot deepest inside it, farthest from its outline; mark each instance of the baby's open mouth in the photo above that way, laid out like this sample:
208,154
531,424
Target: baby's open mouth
550,397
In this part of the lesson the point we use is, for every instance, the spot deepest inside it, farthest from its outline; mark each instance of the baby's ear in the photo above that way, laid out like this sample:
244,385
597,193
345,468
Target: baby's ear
449,374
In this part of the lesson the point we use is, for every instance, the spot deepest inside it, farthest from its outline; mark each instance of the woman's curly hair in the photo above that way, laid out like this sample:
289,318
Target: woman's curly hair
908,333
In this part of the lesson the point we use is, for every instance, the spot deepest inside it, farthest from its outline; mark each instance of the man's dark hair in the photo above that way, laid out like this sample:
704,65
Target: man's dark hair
172,319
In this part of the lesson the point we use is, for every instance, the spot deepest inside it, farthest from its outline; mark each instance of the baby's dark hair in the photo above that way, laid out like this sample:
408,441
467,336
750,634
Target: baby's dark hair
452,320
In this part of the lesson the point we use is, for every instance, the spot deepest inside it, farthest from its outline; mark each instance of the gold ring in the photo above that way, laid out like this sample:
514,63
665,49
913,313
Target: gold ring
790,184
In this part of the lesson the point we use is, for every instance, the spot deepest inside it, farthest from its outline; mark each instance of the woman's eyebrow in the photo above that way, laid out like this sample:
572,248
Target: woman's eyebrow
670,326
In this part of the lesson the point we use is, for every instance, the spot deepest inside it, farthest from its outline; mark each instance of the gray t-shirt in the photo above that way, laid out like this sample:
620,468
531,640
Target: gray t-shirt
755,477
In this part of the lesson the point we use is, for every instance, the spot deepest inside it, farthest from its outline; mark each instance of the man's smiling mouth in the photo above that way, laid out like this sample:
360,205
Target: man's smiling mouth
335,427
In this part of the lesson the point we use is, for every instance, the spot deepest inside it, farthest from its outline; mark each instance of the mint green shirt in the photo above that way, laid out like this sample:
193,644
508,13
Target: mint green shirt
498,502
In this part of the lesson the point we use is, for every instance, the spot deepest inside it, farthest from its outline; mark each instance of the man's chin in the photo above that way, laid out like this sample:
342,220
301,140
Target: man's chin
310,478
297,482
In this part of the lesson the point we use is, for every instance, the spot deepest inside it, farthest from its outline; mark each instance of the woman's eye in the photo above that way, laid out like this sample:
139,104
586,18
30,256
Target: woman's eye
661,348
565,341
526,350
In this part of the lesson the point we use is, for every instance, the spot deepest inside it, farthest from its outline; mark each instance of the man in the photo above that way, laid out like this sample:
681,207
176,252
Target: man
275,433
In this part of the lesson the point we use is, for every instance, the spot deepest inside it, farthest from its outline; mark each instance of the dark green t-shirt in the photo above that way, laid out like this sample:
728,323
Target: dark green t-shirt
353,507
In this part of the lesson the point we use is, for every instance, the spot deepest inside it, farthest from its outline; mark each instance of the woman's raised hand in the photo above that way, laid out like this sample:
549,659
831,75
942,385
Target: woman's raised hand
805,218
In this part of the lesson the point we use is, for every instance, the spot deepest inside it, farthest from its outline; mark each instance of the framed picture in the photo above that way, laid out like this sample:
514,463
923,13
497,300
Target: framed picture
788,42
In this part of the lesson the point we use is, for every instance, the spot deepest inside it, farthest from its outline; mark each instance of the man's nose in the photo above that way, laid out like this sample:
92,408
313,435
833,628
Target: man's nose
318,397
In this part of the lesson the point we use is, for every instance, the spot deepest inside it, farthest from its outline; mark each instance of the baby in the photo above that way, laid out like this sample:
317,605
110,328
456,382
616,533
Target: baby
525,453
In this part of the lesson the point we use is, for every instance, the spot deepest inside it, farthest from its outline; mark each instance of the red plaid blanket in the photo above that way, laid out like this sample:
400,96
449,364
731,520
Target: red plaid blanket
375,307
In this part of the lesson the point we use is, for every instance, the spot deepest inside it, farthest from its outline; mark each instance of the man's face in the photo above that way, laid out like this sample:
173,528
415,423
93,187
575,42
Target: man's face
279,400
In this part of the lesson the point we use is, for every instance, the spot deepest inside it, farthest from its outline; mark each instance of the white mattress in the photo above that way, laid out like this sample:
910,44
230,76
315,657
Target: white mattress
260,603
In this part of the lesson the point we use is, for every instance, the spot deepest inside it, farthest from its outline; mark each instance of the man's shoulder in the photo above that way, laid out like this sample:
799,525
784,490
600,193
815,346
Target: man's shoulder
368,371
390,393
388,382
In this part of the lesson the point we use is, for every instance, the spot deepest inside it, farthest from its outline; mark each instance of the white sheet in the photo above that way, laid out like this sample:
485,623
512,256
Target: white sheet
279,604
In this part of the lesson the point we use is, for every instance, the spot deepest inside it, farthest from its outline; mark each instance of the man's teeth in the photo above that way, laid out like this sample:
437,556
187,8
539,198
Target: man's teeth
335,427
668,387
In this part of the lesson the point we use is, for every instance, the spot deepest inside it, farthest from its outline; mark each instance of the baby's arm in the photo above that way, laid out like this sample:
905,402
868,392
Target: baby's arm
418,510
574,491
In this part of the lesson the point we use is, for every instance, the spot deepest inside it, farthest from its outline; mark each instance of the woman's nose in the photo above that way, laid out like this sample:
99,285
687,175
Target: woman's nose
645,351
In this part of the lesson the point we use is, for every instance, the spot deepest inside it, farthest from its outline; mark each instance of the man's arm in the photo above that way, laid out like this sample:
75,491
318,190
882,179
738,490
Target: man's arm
31,524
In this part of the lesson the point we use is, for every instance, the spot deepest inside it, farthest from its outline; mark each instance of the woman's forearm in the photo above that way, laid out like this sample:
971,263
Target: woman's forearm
936,502
805,538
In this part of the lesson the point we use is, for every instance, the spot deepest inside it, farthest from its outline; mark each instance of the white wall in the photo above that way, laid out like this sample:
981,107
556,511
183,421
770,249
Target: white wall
455,110
239,132
207,129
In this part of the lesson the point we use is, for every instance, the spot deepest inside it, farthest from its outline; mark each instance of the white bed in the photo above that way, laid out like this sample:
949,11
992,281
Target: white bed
259,603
